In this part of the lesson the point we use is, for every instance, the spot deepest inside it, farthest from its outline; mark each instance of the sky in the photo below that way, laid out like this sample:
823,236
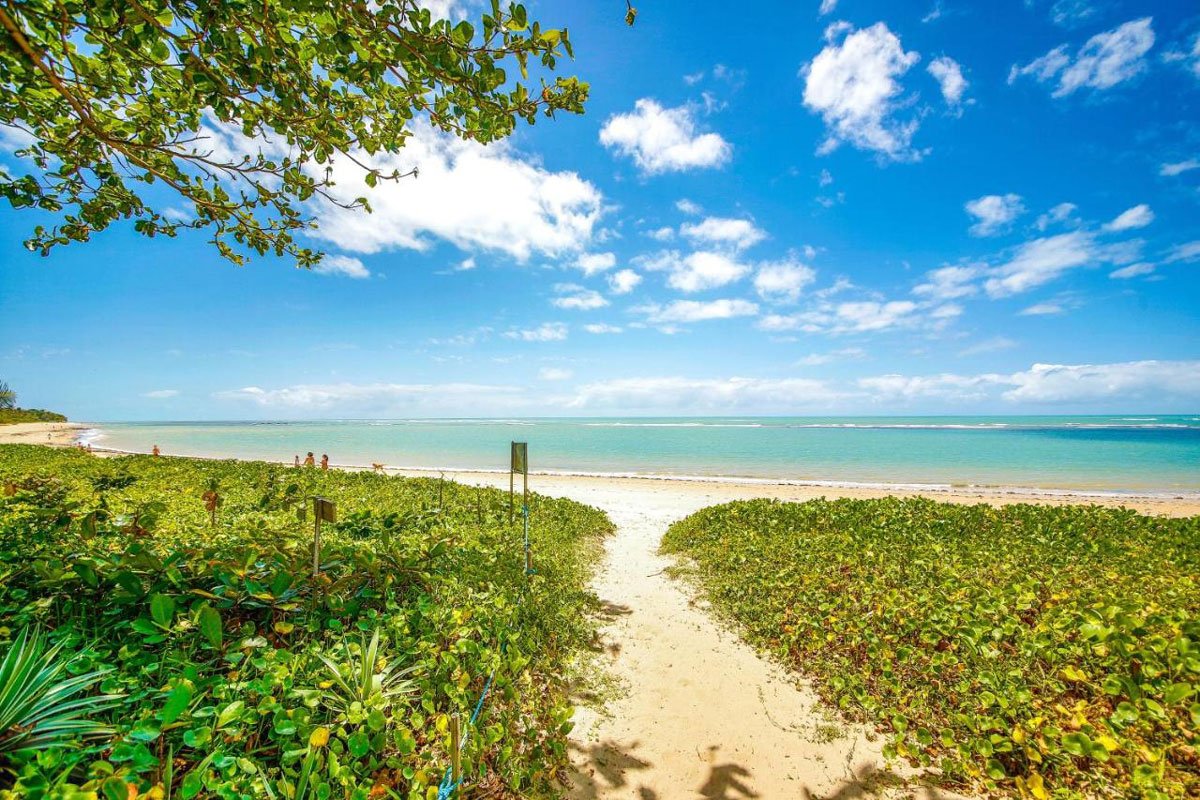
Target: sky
813,207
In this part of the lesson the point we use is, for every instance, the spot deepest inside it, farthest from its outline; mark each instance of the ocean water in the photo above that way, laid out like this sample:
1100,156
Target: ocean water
1131,452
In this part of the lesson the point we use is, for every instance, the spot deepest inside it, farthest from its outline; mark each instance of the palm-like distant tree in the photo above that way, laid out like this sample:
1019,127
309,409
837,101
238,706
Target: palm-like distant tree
8,398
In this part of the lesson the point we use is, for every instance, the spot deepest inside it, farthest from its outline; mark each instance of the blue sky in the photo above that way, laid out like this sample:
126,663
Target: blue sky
842,207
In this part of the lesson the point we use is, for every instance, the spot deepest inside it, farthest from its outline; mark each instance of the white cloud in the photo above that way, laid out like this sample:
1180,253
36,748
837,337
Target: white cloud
546,332
161,394
736,233
852,84
826,178
1137,217
948,283
555,374
342,265
1179,167
944,386
624,281
1153,381
1188,251
1042,310
1132,271
827,7
992,345
697,271
949,76
844,354
688,207
382,399
1057,215
1040,261
601,327
994,213
850,317
663,139
683,311
592,263
465,265
1106,60
575,297
13,138
663,234
783,281
677,394
454,198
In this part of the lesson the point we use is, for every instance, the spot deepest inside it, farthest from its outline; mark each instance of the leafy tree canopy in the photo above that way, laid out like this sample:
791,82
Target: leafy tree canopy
114,96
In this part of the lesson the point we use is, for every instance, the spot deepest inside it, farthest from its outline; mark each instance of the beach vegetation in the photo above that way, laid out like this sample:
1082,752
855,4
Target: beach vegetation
13,416
240,113
1027,650
8,397
240,674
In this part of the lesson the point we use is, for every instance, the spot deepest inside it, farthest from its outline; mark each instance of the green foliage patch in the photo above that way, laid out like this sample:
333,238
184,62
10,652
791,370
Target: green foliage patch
1033,650
11,416
241,675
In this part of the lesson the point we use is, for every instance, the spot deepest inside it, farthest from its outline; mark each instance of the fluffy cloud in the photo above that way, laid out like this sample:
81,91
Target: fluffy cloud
1057,215
1042,310
663,139
688,207
1132,271
948,283
994,213
853,84
575,297
543,212
949,76
600,327
683,311
944,386
1137,217
1042,260
591,263
1188,251
342,265
546,332
850,317
844,354
783,281
624,281
735,233
555,374
676,394
1153,381
1179,167
697,271
827,7
161,394
383,399
1106,60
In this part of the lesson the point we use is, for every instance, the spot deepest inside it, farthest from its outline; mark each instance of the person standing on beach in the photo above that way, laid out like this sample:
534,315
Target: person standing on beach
309,460
324,461
155,451
296,462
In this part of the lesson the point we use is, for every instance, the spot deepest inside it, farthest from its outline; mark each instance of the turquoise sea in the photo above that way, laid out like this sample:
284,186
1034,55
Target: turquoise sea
1130,452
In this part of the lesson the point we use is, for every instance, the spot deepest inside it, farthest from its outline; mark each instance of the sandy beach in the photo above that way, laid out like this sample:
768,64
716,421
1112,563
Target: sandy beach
694,712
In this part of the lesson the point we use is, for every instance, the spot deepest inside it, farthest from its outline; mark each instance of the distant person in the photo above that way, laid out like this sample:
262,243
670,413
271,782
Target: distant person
155,451
324,461
296,463
309,460
89,447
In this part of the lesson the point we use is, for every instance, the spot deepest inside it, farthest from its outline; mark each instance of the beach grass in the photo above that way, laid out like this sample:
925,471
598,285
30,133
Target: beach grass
243,674
1026,650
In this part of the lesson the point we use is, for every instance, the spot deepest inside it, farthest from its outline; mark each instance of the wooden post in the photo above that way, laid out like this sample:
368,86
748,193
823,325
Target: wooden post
455,751
316,538
511,486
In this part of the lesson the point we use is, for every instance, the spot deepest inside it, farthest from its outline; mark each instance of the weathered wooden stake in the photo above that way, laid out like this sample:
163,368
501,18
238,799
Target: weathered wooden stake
455,751
316,539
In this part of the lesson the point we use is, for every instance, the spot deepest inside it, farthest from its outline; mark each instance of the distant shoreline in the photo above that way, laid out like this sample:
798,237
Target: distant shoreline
688,490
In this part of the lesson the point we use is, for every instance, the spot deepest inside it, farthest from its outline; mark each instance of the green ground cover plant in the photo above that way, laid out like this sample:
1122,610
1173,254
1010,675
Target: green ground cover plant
12,416
1028,650
188,586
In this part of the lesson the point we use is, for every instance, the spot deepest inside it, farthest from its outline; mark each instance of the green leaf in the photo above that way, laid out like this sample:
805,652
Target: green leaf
178,700
162,609
211,626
